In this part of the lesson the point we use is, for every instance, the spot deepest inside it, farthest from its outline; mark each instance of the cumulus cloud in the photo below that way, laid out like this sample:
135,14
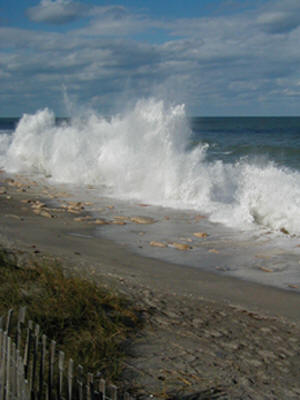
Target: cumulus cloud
56,12
281,17
279,22
214,64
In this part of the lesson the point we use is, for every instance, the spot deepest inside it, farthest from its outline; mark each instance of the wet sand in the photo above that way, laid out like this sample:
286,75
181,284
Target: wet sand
202,330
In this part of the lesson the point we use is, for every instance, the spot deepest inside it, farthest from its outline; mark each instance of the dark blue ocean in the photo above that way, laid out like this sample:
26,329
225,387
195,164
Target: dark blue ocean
268,138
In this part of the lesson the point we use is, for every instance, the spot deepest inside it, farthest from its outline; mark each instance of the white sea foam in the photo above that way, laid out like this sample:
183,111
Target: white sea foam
143,154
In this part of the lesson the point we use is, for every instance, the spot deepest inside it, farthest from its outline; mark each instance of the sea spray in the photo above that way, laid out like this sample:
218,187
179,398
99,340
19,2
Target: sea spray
146,154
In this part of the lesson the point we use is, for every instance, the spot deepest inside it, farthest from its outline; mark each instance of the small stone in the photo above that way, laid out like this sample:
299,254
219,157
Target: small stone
180,246
186,239
198,217
82,219
142,220
189,358
100,222
264,269
120,218
213,251
222,314
38,205
157,244
253,362
196,322
283,230
215,334
2,190
37,211
293,286
286,352
267,355
266,330
73,211
230,346
201,234
46,214
116,222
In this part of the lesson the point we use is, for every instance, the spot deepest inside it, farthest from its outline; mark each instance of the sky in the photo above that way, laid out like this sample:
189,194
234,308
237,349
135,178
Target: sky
218,57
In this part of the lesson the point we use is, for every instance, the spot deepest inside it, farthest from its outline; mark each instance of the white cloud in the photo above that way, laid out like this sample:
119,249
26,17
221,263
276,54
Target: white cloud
280,17
214,64
56,12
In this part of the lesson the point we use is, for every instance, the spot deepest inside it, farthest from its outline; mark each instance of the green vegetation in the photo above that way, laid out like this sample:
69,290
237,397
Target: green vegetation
89,323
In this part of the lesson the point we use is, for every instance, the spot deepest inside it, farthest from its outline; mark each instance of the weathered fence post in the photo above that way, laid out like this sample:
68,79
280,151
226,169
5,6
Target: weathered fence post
34,360
89,386
61,358
27,349
3,364
8,357
51,368
14,370
21,321
70,378
114,392
8,320
42,366
25,378
79,382
102,388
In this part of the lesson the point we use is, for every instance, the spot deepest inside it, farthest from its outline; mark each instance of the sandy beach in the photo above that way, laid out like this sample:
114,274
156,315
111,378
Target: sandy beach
202,331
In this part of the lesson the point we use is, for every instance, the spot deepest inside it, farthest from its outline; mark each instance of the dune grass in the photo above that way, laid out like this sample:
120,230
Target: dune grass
89,323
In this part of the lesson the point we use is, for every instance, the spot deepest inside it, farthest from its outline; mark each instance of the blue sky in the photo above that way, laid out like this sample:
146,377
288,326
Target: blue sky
218,57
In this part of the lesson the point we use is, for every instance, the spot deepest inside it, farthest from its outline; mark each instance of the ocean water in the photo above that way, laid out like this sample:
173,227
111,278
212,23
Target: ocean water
241,173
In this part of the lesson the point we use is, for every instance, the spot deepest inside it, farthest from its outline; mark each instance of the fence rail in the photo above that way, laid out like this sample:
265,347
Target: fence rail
31,367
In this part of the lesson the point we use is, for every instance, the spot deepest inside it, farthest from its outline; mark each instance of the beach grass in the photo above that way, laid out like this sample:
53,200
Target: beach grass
88,322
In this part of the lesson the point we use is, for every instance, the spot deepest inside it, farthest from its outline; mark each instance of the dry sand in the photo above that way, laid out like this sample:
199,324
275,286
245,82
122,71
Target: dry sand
202,331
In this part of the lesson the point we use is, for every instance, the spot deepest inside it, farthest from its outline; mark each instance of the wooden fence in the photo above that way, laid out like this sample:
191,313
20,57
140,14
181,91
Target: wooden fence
31,368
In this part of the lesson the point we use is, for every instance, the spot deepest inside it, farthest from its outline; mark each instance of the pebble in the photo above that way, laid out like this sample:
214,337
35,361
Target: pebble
230,346
82,219
253,362
100,222
142,220
264,269
201,234
157,244
267,355
118,222
198,217
121,218
46,214
196,322
266,330
293,286
180,246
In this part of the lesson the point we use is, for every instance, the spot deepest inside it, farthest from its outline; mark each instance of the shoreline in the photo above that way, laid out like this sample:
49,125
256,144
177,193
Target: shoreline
76,241
185,308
